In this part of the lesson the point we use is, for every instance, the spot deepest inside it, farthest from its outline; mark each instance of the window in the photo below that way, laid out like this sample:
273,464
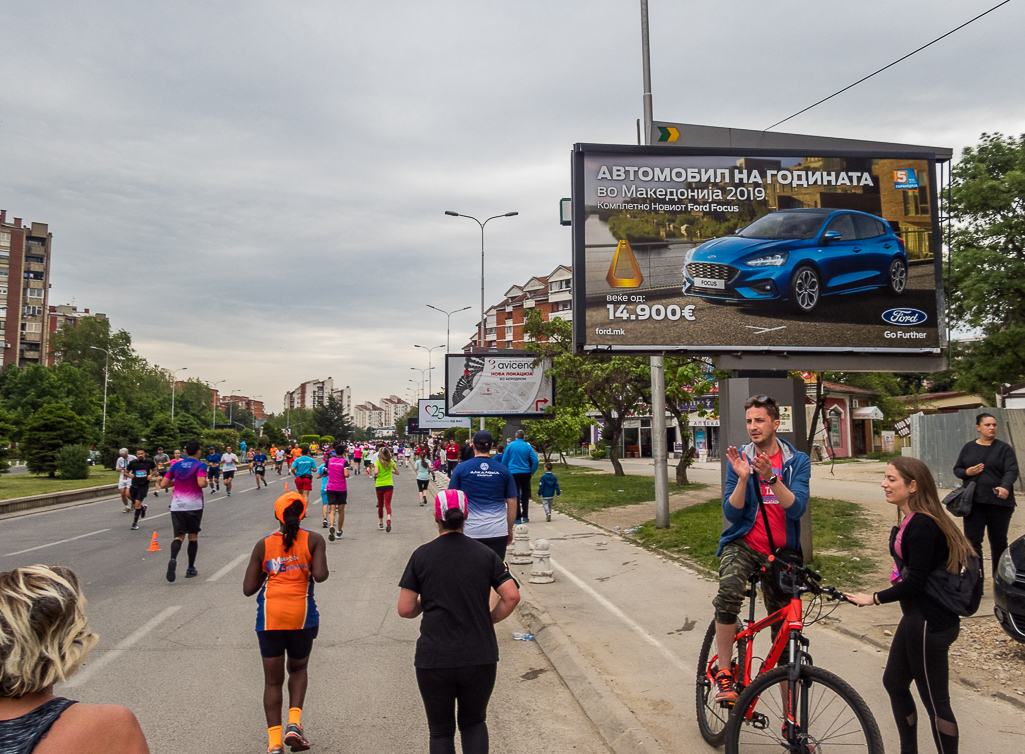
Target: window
508,333
35,259
3,290
560,285
4,272
34,292
561,306
31,327
916,203
844,225
5,239
33,275
32,241
868,227
32,311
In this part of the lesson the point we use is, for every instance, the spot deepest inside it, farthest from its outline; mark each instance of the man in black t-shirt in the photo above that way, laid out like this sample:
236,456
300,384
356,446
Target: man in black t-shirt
140,471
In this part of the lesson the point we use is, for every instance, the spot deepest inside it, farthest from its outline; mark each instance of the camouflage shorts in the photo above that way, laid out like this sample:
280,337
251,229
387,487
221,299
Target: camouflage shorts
739,561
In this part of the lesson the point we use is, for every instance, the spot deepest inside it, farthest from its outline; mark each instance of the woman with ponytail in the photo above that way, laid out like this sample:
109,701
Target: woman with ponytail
282,569
925,540
384,467
449,581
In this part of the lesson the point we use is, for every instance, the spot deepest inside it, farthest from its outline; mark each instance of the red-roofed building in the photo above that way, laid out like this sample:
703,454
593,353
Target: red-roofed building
551,294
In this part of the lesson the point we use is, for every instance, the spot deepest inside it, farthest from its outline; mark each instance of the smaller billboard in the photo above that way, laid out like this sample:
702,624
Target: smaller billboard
432,416
497,384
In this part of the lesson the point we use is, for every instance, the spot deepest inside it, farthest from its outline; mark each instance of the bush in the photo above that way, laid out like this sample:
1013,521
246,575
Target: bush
308,439
73,462
598,454
220,439
327,440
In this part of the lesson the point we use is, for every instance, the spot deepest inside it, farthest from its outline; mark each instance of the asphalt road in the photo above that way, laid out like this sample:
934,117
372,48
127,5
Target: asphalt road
184,656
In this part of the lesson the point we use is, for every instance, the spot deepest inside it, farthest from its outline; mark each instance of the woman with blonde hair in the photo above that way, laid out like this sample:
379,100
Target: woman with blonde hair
384,467
926,539
44,638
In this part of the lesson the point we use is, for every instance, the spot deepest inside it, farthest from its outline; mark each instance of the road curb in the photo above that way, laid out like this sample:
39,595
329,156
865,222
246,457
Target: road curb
48,499
613,720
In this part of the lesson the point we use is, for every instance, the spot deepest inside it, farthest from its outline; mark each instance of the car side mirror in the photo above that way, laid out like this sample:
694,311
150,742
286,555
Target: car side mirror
832,235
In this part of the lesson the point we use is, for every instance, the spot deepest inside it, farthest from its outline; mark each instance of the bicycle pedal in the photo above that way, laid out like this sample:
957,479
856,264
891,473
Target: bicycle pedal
759,721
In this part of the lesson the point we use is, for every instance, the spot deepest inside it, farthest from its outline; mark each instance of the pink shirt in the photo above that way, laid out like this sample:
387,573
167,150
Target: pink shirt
897,545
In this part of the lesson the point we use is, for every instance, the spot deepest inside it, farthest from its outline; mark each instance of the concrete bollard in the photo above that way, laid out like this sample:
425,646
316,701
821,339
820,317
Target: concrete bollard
521,546
542,573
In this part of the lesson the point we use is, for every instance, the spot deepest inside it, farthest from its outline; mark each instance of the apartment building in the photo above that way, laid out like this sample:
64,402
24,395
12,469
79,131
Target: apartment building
24,290
368,415
252,405
551,294
394,407
315,393
65,315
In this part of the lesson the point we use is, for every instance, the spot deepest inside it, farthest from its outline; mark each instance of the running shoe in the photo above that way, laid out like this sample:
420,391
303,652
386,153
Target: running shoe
127,508
548,517
144,509
331,534
380,527
388,527
191,572
724,691
134,527
324,525
276,750
526,520
172,564
294,737
517,521
229,493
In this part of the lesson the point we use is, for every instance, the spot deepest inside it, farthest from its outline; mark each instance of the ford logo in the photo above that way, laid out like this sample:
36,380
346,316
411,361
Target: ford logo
904,317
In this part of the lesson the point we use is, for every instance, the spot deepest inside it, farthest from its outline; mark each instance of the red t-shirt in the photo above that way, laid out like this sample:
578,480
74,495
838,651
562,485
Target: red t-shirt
777,518
452,451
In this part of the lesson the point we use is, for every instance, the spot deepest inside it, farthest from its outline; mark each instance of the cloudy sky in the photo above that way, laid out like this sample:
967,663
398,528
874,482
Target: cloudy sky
256,190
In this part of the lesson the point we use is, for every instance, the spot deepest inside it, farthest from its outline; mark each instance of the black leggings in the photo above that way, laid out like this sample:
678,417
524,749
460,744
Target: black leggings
522,494
995,518
920,656
442,689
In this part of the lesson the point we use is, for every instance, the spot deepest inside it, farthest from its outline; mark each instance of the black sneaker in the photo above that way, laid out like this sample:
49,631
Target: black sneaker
388,527
144,509
134,527
191,572
294,737
331,534
172,564
324,525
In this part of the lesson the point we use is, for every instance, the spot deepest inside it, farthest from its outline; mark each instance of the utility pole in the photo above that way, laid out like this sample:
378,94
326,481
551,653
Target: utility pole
658,371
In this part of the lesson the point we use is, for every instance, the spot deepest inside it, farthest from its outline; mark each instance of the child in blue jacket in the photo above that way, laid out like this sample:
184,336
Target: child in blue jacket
548,488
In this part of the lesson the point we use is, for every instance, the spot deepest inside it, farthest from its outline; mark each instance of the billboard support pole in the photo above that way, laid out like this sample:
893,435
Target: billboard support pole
658,374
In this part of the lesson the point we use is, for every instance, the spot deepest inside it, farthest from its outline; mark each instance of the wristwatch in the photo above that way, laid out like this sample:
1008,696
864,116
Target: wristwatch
772,480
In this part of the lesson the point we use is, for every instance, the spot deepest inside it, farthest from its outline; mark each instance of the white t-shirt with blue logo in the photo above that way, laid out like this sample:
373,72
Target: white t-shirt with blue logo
486,485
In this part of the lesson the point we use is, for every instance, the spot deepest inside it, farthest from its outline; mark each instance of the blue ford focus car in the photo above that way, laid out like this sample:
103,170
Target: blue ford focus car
798,256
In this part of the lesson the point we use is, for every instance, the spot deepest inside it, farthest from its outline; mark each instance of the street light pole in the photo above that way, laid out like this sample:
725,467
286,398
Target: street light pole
448,324
174,384
420,385
106,369
430,383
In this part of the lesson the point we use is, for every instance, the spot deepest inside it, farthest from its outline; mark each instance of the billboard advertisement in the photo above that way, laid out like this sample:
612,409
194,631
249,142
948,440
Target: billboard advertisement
490,384
432,415
728,250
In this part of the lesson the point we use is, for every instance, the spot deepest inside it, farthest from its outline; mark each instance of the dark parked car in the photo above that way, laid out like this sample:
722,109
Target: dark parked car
1009,590
799,255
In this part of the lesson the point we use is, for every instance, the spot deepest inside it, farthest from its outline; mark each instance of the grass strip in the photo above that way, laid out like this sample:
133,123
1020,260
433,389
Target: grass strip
26,485
585,489
838,529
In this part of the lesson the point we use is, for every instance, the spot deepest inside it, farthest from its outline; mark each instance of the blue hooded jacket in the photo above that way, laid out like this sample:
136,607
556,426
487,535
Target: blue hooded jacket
519,457
548,486
796,476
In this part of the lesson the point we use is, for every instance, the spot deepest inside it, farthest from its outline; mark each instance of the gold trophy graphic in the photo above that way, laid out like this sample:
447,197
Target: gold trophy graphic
624,272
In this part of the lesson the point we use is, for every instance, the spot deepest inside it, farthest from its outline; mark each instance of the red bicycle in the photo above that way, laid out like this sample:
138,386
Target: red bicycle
795,707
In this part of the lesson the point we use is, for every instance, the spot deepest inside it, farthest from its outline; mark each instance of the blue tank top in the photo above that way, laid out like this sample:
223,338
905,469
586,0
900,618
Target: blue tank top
20,735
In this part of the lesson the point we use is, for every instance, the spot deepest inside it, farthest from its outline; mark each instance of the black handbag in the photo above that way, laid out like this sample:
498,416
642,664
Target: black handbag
783,580
960,592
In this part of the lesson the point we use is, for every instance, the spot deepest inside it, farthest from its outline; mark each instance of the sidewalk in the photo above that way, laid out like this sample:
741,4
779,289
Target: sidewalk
623,627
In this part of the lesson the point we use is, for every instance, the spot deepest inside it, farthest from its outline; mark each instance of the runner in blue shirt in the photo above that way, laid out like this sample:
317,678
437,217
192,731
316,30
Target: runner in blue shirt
213,469
259,467
304,467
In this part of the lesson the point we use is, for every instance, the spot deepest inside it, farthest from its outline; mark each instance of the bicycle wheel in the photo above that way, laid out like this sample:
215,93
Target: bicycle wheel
712,715
830,715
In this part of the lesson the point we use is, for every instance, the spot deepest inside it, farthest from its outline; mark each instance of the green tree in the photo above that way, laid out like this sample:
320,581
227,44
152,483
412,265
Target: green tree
614,386
687,378
123,431
73,462
188,428
220,439
274,434
331,419
987,262
162,433
46,432
560,430
7,433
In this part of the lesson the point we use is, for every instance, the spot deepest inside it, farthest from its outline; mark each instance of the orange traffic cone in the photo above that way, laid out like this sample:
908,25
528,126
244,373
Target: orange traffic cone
286,486
153,546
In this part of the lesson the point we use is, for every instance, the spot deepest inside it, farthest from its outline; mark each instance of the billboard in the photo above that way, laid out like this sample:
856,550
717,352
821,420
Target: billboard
497,384
432,416
731,250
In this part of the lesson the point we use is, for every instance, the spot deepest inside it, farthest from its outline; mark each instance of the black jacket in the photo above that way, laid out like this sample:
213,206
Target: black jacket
1001,471
924,548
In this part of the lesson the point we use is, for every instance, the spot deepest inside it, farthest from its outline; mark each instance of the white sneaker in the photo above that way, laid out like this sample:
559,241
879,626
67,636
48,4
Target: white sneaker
380,527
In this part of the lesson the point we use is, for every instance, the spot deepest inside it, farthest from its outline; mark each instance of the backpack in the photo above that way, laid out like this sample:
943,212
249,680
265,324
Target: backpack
960,593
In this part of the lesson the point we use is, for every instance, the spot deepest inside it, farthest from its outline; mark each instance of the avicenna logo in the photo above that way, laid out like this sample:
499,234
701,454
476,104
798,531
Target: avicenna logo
904,317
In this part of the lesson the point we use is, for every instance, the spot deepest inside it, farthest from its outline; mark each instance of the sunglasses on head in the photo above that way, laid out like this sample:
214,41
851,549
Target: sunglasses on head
761,399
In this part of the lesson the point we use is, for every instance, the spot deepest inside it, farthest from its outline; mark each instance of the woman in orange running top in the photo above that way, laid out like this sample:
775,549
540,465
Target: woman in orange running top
283,567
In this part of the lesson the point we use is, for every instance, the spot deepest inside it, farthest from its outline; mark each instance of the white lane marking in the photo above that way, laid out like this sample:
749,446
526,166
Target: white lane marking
227,569
637,628
40,547
94,667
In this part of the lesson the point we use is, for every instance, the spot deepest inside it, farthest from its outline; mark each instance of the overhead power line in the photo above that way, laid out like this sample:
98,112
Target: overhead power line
866,78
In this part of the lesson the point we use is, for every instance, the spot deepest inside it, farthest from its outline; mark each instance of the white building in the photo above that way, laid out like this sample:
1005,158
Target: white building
368,415
315,393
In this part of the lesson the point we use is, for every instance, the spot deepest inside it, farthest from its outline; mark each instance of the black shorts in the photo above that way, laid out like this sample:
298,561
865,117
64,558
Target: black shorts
258,469
298,643
186,522
137,492
366,461
497,544
213,473
335,497
421,484
229,474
